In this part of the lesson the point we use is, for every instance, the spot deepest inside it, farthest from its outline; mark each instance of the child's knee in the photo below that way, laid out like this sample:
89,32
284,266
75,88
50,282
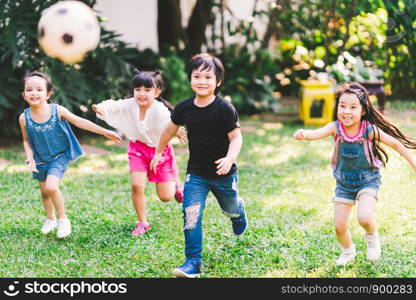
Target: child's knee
51,189
44,195
365,219
137,188
365,212
341,226
165,197
191,214
234,208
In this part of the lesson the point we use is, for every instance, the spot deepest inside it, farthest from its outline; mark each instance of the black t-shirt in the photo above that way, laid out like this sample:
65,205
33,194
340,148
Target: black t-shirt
208,129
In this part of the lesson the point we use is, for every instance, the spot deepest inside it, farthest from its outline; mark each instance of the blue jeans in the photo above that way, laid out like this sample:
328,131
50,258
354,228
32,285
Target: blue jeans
195,194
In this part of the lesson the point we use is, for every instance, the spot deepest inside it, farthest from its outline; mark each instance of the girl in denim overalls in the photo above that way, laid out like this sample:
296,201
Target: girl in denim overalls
50,145
356,160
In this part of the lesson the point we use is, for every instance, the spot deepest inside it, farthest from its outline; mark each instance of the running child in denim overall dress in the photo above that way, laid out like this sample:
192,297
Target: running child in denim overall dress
356,160
214,143
355,168
50,145
142,118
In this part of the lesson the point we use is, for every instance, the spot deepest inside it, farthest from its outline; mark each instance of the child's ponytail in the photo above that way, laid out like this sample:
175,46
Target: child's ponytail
166,103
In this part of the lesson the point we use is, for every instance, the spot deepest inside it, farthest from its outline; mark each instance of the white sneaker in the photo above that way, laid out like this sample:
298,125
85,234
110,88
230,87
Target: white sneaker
346,256
64,228
373,246
49,226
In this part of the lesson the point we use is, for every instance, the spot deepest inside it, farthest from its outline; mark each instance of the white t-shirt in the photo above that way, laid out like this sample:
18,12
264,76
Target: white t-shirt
124,115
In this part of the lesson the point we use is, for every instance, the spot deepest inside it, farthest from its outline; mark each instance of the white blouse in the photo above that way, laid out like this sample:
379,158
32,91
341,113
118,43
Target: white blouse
124,115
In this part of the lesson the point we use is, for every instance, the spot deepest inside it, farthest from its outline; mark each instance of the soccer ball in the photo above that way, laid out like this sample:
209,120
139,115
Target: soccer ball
67,30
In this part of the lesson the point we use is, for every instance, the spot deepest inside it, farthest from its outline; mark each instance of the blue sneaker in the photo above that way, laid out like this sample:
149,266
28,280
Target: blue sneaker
240,223
190,269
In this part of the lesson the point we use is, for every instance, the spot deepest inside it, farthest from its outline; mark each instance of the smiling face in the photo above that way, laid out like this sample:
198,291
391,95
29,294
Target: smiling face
35,91
204,82
145,96
350,110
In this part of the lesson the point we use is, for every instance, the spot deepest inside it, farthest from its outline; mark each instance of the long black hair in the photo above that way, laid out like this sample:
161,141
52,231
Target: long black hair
150,79
375,118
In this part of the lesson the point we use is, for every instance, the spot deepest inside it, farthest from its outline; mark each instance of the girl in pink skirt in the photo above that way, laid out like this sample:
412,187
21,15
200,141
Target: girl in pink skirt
142,119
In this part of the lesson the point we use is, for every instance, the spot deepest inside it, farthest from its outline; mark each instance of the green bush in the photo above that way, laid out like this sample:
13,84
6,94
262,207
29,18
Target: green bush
104,73
175,77
249,80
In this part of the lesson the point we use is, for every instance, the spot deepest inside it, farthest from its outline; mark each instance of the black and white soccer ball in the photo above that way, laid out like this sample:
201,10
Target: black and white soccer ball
67,30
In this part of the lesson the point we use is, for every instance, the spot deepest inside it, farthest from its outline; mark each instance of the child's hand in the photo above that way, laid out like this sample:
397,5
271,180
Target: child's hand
299,135
97,110
224,165
31,164
157,158
112,135
181,134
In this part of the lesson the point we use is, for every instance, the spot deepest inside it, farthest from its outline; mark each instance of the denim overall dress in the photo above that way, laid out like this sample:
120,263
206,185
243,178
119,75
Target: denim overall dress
355,168
53,144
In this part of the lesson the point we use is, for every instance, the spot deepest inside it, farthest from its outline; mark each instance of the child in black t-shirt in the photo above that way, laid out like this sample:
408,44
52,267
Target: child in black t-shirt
214,143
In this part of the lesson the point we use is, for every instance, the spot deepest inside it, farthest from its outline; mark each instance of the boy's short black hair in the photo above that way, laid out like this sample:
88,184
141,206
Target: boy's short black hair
208,62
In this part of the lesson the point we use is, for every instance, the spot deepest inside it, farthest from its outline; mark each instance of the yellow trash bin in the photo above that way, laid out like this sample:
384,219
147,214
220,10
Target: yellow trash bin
317,103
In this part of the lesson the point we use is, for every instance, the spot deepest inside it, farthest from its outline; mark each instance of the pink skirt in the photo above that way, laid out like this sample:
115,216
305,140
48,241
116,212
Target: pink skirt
140,156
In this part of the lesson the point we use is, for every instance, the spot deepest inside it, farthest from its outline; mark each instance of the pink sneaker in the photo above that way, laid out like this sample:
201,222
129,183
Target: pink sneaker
178,192
140,229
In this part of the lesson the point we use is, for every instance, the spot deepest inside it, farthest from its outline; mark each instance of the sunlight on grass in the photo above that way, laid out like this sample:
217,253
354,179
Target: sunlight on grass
321,271
260,132
270,158
10,169
269,126
93,164
285,273
288,187
118,157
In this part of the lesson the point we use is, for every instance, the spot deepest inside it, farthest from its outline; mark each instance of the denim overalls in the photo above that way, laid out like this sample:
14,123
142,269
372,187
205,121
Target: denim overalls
53,144
355,167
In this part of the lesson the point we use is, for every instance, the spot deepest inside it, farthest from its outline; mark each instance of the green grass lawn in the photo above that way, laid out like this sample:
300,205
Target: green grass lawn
288,189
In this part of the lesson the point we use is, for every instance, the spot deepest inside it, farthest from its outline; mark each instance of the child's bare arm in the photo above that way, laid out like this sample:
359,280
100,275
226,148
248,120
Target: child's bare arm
167,134
312,135
395,144
87,124
30,161
236,141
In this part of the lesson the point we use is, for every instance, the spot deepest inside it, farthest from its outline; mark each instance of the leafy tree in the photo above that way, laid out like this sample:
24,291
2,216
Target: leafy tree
170,30
401,46
104,73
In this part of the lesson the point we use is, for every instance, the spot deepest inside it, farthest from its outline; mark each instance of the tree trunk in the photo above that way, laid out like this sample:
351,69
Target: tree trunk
272,28
198,22
329,21
169,27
